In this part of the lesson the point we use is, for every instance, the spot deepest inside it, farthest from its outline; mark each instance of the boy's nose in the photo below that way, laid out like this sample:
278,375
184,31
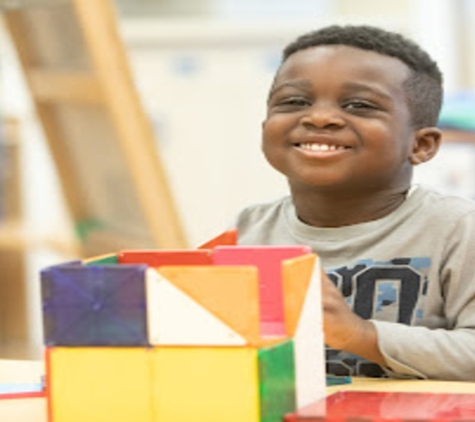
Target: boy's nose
323,117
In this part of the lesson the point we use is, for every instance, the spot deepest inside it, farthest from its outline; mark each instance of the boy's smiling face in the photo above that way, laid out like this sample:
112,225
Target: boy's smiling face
338,118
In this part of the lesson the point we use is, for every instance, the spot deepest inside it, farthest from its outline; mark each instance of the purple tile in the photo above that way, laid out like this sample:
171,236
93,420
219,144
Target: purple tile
94,305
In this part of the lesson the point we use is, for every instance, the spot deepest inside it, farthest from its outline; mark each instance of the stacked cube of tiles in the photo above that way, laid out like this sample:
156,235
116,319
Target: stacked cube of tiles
220,333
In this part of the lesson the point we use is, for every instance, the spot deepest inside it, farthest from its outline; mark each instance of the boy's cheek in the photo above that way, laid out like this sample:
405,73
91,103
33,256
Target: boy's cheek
275,130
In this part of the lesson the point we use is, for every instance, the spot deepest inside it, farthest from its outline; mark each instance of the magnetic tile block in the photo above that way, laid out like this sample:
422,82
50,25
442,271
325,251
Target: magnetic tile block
157,258
305,325
219,384
296,277
170,384
174,318
229,293
209,352
12,390
268,259
388,407
107,259
94,305
227,238
277,381
100,384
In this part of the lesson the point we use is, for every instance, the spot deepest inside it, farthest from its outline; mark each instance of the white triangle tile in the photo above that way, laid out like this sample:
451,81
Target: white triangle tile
309,349
174,318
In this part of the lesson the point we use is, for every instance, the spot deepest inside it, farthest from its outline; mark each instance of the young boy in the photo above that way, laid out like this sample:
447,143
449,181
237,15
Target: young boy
351,110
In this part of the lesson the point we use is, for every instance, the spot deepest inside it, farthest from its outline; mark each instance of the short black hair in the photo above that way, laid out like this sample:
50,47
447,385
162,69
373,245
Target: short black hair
423,88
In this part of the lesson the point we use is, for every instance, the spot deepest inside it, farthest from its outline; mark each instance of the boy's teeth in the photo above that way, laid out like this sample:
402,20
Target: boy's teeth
320,147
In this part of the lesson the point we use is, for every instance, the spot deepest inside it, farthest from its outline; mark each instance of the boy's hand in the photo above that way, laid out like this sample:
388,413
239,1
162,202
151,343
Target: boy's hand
345,330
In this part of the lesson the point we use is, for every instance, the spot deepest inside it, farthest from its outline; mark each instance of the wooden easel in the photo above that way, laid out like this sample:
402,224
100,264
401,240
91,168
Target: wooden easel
101,141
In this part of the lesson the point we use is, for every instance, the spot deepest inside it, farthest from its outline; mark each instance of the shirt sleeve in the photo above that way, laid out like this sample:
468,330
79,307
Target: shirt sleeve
446,353
421,352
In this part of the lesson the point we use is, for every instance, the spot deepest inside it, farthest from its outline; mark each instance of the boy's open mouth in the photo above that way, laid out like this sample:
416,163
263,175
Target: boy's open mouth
321,147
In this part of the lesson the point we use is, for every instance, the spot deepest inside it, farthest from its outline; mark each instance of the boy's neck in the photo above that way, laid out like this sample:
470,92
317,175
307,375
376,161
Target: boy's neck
325,209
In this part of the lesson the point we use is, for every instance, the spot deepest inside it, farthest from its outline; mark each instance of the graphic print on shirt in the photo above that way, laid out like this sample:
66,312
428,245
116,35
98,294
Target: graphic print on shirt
388,291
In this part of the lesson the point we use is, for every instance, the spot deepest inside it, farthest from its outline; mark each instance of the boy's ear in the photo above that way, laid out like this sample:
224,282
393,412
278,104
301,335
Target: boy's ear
426,144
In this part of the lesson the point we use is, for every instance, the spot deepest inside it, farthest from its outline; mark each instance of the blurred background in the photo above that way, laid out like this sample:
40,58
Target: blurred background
202,69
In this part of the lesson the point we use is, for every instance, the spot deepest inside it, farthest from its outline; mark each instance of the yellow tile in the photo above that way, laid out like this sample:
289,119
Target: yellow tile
100,384
206,384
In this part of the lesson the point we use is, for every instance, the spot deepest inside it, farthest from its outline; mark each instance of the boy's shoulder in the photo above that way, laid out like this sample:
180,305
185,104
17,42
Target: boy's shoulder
433,210
266,223
441,201
263,210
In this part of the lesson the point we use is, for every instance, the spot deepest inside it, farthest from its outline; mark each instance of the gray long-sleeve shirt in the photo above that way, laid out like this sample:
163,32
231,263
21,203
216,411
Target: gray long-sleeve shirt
412,273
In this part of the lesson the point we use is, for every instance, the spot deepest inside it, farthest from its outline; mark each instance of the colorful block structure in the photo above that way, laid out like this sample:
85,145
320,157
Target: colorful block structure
221,333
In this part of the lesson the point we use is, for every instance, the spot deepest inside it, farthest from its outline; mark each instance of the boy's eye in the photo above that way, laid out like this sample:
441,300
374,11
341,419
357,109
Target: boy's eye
292,103
359,105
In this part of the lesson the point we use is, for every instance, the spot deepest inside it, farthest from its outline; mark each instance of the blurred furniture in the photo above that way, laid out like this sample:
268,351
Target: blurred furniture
101,140
13,304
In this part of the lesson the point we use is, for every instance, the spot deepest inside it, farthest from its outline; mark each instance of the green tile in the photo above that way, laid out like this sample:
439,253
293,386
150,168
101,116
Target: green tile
105,260
276,381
